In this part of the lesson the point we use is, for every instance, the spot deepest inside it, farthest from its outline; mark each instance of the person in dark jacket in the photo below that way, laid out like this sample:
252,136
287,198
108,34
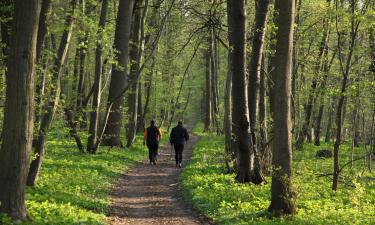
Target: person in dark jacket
152,136
178,138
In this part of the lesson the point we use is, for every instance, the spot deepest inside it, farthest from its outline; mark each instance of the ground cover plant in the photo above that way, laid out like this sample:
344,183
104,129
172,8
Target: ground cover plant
74,188
217,194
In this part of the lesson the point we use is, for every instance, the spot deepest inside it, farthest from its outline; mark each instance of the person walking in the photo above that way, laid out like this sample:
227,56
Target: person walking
178,138
152,136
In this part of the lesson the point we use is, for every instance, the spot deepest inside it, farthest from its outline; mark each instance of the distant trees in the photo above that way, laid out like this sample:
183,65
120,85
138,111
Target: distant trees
19,109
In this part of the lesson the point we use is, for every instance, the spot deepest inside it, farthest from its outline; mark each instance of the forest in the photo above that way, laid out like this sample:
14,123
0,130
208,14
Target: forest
278,97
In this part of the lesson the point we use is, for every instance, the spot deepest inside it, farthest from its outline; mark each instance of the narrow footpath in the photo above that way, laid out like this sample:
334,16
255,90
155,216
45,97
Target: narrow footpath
150,194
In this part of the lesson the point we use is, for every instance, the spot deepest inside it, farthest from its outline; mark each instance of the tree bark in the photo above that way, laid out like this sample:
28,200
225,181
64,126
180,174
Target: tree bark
42,30
136,50
281,193
261,15
52,103
241,126
208,93
229,150
19,109
263,117
329,122
73,128
119,73
94,115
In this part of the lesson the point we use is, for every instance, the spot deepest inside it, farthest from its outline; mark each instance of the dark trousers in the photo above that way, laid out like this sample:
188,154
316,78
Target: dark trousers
152,151
178,148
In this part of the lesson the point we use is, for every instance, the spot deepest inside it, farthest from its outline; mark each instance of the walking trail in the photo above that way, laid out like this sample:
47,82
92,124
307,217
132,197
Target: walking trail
150,194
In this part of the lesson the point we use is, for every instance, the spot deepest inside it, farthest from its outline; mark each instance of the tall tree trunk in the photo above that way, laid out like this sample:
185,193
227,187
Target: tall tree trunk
140,118
52,103
261,15
119,73
214,80
19,109
136,50
42,30
229,150
329,122
94,115
281,194
241,126
263,117
208,93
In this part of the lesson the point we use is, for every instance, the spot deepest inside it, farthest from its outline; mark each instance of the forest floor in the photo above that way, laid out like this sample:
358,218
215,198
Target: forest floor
150,194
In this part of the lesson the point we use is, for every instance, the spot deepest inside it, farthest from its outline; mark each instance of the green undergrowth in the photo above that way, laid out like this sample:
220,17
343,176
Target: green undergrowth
216,194
74,188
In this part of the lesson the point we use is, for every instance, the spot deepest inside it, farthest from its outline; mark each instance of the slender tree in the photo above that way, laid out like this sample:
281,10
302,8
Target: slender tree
52,102
94,115
19,111
281,193
261,14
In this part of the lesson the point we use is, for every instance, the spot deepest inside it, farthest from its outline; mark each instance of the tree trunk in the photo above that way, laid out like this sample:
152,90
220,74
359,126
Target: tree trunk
242,141
281,194
42,30
261,14
136,50
329,122
140,120
94,115
263,118
19,109
119,73
208,93
73,128
319,122
52,103
229,150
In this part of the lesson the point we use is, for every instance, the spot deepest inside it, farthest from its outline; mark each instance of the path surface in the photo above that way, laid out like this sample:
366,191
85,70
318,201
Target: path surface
149,194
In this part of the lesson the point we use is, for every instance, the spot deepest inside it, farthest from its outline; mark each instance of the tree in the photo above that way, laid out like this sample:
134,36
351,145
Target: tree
241,125
256,58
94,115
119,73
281,192
52,102
136,51
19,111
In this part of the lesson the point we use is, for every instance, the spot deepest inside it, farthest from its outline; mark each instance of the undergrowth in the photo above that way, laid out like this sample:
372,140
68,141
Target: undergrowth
74,188
216,194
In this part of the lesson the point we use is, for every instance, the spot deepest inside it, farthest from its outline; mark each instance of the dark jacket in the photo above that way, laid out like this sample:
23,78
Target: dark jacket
152,135
179,135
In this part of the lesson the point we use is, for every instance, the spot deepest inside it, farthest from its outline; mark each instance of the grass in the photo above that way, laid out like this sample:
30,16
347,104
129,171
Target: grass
217,195
74,188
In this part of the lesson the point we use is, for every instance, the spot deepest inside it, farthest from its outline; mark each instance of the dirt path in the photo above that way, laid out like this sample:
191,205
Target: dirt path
149,194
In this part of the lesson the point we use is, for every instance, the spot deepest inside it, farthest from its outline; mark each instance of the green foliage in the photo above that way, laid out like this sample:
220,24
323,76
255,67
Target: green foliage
218,196
74,188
